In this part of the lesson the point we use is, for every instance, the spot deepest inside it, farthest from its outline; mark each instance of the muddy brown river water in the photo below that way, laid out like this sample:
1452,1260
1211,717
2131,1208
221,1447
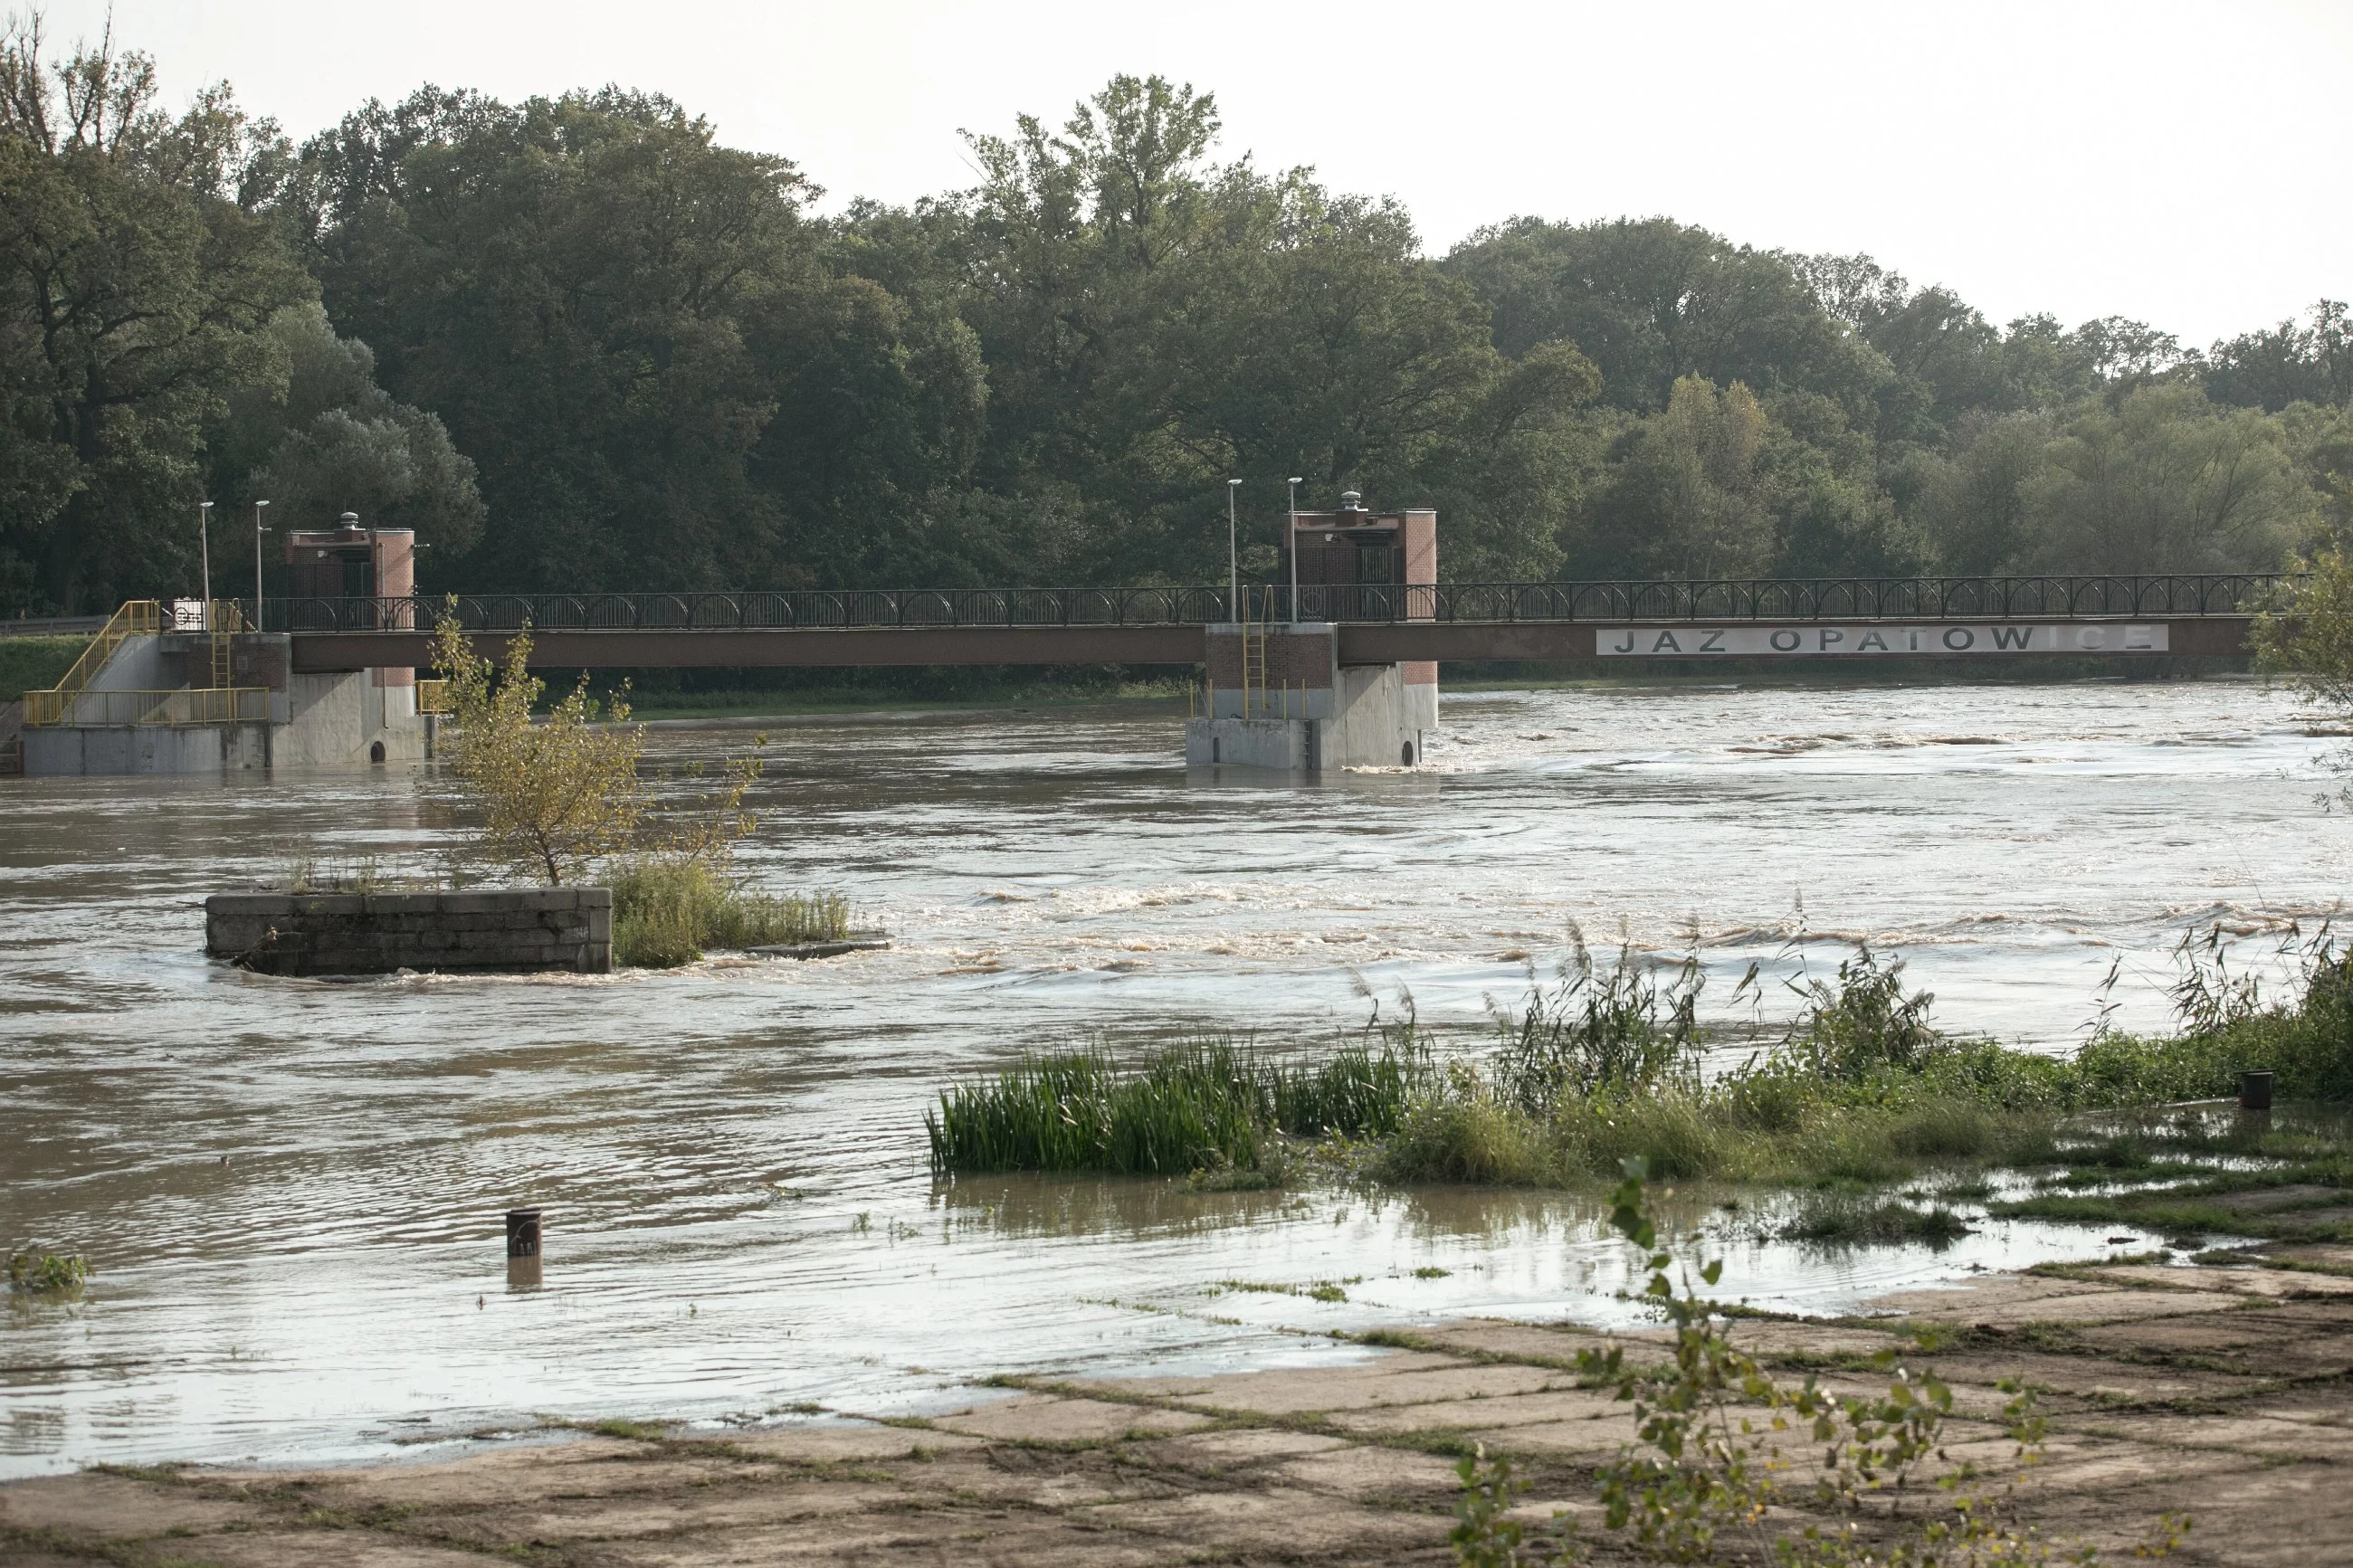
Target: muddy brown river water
293,1190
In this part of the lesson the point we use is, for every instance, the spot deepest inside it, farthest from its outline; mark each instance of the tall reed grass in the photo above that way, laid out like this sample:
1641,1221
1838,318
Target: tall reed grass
1860,1090
668,910
1198,1105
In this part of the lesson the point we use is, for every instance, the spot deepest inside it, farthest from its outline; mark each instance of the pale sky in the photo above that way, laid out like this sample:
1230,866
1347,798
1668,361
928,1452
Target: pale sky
2182,164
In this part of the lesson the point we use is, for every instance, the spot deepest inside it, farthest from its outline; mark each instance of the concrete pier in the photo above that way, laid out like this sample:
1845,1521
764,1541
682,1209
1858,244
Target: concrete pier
1280,696
142,714
1280,699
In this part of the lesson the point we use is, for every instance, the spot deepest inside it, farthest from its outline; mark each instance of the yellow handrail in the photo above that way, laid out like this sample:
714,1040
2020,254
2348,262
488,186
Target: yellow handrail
138,617
196,705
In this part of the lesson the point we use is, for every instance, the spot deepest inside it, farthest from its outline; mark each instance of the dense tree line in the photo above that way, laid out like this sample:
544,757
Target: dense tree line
578,343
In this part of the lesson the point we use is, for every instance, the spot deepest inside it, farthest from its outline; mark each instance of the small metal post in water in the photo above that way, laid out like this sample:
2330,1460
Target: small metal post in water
2255,1102
523,1249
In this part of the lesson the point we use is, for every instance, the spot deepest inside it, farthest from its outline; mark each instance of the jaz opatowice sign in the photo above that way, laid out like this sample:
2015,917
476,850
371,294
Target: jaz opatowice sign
1974,637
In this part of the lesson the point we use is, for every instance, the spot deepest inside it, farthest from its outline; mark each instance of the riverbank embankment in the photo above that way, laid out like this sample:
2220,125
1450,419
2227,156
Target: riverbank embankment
2216,1390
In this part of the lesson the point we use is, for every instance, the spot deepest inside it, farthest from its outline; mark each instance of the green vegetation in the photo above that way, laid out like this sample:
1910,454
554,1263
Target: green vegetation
1850,1219
1200,1105
1604,1068
1041,378
28,664
1858,1095
1709,1477
1325,1291
551,796
1858,1091
667,911
36,1272
557,795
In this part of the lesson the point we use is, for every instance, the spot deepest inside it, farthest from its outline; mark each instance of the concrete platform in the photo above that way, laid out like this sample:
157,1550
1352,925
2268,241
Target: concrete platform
1346,1463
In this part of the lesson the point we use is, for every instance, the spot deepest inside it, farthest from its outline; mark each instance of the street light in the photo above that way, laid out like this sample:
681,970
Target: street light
1233,557
257,531
1293,545
204,549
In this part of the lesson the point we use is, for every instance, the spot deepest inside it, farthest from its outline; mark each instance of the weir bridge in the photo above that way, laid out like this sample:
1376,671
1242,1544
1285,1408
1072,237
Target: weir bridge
1346,677
1596,623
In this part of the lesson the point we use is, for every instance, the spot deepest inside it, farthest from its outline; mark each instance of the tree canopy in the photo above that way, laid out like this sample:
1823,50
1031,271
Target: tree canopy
578,342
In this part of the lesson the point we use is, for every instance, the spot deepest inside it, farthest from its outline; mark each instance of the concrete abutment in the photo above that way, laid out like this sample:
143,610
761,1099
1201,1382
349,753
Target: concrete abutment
1280,699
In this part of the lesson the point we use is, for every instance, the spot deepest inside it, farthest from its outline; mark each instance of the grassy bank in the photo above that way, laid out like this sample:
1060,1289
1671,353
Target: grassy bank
1859,1093
28,664
667,912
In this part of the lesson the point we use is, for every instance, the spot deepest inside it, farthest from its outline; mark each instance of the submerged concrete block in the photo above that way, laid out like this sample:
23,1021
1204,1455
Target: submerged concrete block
506,928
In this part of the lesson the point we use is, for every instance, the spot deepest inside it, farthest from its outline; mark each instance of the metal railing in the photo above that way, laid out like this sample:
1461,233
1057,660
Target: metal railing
137,618
1806,599
53,626
188,705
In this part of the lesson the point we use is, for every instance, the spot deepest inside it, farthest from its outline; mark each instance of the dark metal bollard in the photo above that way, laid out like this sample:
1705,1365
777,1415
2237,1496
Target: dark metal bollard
2255,1089
522,1247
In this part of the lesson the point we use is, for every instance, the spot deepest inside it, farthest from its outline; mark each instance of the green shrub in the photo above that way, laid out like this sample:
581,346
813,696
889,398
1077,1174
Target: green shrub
2126,1069
36,1272
1614,1033
668,910
1671,1130
1863,1027
1474,1138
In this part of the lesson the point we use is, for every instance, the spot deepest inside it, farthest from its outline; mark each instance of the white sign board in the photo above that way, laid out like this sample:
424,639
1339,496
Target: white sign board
187,614
1864,638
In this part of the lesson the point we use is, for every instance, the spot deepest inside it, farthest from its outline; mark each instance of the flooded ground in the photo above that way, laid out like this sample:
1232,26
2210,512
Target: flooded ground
293,1190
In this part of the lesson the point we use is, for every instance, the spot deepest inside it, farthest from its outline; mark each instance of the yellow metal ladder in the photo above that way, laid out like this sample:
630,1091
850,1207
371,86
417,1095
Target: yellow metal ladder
1248,651
225,620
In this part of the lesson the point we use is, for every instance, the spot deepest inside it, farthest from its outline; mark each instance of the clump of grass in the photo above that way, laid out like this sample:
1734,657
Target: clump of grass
1845,1219
1315,1290
1208,1106
667,910
36,1272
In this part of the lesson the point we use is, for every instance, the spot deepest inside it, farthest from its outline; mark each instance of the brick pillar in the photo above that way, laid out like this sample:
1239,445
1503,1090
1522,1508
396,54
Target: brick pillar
1300,665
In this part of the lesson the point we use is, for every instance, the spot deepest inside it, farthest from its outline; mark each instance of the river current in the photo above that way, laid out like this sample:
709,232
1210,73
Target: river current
293,1190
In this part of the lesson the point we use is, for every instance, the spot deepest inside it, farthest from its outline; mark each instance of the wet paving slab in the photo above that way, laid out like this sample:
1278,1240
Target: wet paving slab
1338,1464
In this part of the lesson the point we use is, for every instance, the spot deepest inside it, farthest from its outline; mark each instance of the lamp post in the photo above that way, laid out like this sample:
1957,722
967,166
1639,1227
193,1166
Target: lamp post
203,537
1234,558
1292,545
257,531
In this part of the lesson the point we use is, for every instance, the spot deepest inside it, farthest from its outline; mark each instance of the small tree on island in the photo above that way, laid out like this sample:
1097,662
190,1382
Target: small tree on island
562,793
556,795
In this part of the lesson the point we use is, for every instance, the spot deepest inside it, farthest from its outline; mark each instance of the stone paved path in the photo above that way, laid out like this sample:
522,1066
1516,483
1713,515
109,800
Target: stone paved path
2219,1391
